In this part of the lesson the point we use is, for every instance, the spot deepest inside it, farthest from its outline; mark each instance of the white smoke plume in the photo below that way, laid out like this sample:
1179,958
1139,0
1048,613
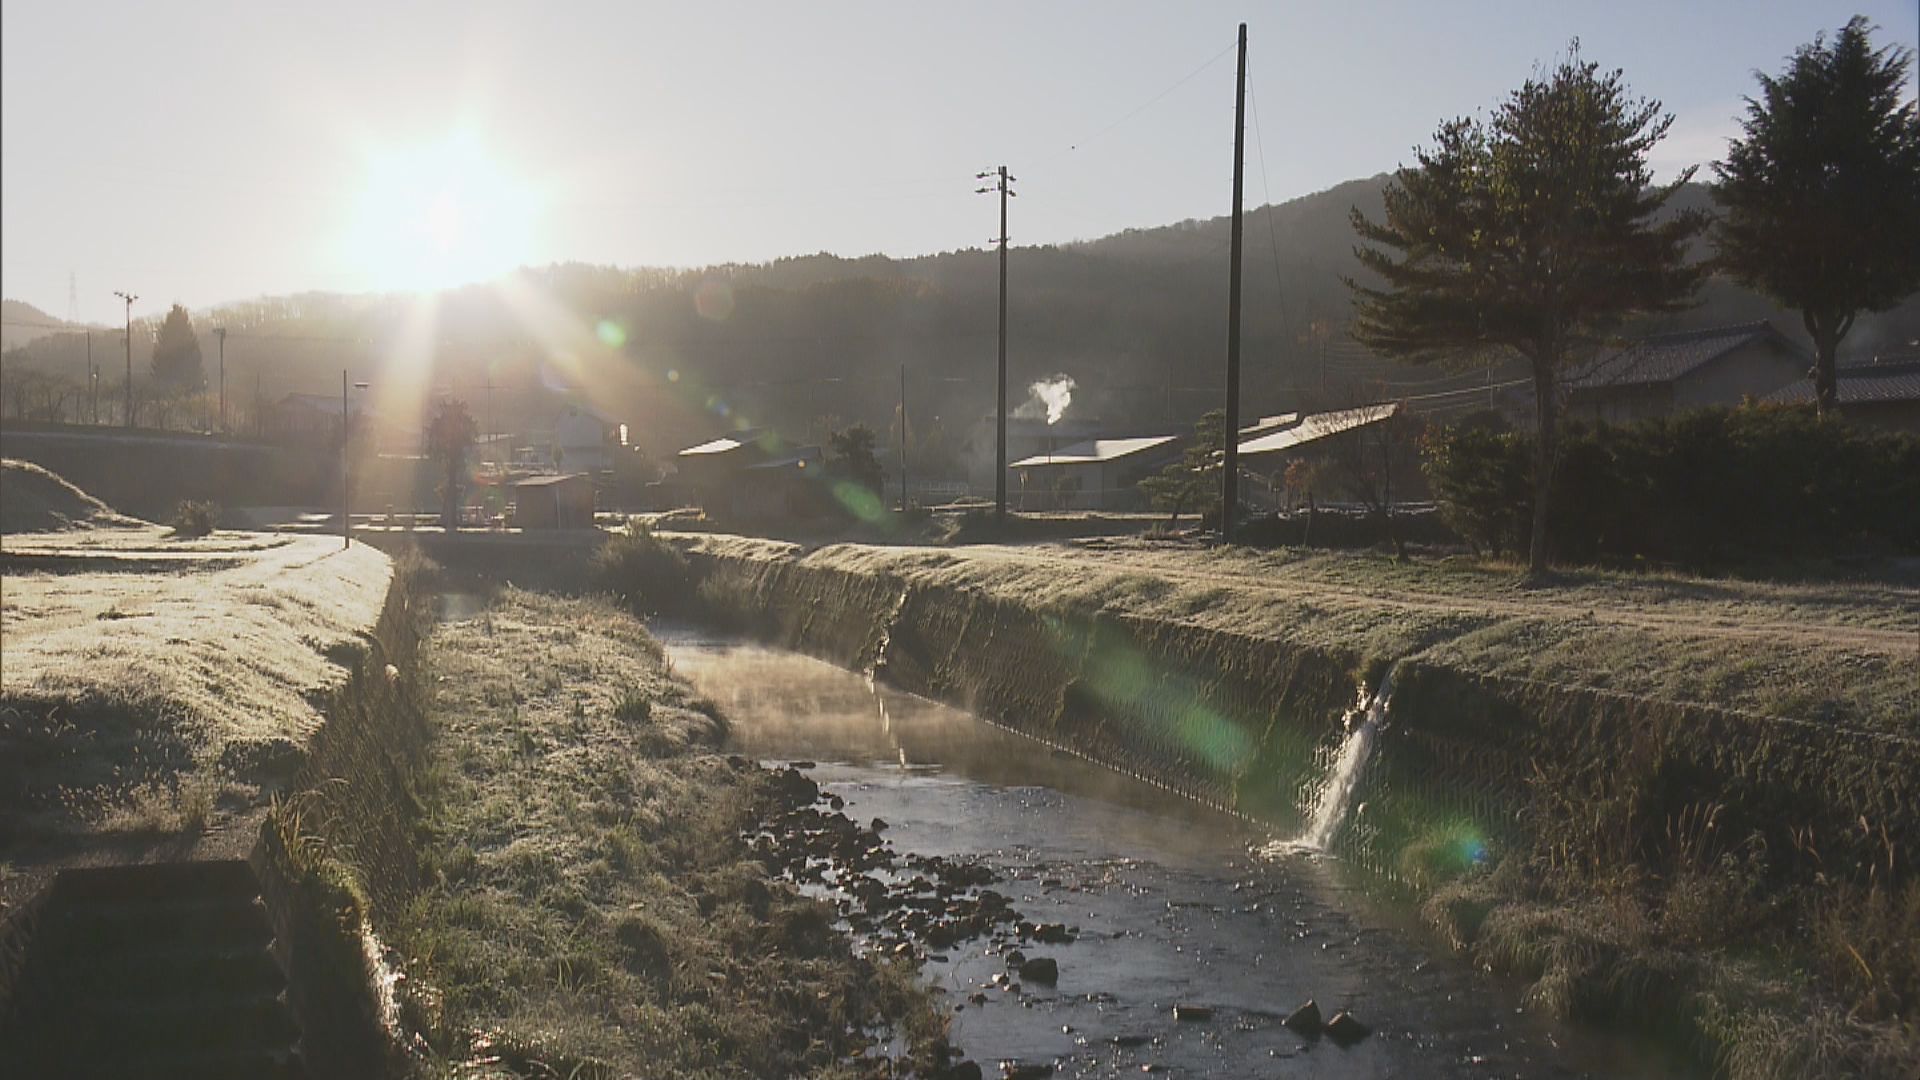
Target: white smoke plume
1049,397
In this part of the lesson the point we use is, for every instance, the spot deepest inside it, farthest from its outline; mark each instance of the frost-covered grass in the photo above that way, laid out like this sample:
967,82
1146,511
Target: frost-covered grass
142,672
592,908
1842,652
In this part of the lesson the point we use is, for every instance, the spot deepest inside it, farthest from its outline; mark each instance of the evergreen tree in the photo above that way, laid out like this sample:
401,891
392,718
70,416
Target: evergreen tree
1822,195
176,353
1194,480
1529,234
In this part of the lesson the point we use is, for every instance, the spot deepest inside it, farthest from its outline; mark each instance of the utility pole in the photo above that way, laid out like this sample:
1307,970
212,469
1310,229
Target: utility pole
1004,186
1230,476
93,383
220,335
129,298
903,437
346,468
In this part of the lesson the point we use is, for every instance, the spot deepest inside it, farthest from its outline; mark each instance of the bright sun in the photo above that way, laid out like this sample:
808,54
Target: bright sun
440,214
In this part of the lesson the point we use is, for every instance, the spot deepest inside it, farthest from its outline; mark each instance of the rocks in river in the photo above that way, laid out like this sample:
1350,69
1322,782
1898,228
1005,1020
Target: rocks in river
1188,1014
879,825
805,764
1305,1019
794,787
965,1070
1016,1069
1016,958
1040,969
1132,1040
1345,1030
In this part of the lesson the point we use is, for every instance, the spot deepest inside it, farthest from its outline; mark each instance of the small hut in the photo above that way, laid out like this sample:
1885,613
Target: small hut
554,502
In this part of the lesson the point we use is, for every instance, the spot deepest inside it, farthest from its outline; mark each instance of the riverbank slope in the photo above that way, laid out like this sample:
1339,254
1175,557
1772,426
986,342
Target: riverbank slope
1626,787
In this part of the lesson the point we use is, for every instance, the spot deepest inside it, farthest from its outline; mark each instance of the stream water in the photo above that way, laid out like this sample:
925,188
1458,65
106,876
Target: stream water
1172,904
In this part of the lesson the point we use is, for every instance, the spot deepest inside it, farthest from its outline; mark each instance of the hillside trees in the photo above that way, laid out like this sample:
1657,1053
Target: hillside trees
1529,234
176,353
1822,194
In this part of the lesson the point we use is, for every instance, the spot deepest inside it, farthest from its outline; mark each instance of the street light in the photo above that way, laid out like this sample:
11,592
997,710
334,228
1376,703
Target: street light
129,298
346,463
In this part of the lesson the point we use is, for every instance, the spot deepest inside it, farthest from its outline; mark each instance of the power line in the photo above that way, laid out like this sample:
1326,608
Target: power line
1150,102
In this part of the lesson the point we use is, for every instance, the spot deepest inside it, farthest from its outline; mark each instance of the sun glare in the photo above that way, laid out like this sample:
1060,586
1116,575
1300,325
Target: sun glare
439,214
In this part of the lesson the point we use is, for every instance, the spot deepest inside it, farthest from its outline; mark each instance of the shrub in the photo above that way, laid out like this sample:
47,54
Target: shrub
646,574
1699,489
195,518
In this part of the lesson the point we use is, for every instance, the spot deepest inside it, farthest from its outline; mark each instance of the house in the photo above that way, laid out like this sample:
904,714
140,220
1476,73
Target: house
1026,437
562,501
584,439
1344,440
753,473
1669,373
1098,474
1883,394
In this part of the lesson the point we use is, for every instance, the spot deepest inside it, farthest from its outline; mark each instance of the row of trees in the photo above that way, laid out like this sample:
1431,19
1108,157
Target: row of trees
1538,233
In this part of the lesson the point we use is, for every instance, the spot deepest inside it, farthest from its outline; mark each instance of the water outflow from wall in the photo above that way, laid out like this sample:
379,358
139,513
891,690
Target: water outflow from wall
1330,810
879,660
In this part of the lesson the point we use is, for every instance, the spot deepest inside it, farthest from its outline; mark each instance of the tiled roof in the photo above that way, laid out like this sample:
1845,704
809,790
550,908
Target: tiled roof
1864,383
1663,358
1087,453
1319,426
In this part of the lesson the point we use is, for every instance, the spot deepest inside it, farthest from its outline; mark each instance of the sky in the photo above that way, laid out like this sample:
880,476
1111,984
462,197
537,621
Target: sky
204,152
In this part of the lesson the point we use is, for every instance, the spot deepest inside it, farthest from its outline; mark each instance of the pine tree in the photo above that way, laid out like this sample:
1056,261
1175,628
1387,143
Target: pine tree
176,353
1529,234
1822,195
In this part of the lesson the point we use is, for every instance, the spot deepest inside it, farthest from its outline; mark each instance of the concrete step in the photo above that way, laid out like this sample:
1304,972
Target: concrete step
172,969
155,881
107,926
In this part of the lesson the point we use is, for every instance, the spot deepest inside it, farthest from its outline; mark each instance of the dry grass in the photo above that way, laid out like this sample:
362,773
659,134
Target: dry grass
593,908
134,659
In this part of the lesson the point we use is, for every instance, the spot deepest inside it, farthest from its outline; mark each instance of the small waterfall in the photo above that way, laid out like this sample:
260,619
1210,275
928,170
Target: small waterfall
1336,794
886,639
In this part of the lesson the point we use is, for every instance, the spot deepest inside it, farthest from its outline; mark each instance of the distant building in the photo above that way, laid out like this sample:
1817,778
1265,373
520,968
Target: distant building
753,474
1026,437
584,439
554,502
1669,373
1098,474
1883,394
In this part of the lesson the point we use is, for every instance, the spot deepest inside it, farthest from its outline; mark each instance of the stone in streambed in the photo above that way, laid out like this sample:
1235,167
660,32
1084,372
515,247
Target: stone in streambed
1305,1019
1345,1030
1040,969
1192,1013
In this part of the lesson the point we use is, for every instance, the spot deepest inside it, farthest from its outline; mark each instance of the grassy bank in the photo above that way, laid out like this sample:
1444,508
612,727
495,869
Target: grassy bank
1682,805
153,682
591,907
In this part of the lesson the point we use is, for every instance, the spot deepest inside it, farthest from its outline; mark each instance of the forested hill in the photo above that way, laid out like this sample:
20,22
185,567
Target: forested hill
1137,319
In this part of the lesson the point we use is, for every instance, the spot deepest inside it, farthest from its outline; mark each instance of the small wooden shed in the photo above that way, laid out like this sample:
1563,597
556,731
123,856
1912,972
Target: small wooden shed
554,502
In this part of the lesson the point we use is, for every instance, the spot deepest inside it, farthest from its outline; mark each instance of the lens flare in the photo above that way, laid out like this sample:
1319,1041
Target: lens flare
610,333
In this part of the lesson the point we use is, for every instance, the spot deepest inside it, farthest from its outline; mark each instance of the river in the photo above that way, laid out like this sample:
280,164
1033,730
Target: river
1172,902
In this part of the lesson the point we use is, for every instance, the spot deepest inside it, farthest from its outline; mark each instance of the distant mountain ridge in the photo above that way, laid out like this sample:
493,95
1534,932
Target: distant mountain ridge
1137,319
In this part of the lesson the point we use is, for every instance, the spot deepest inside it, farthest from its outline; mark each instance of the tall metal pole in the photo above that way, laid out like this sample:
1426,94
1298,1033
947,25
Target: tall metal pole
93,383
346,468
903,438
220,335
1230,475
1000,435
129,298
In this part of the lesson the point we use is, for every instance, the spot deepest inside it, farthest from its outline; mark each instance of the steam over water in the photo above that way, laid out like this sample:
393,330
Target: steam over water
1171,903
